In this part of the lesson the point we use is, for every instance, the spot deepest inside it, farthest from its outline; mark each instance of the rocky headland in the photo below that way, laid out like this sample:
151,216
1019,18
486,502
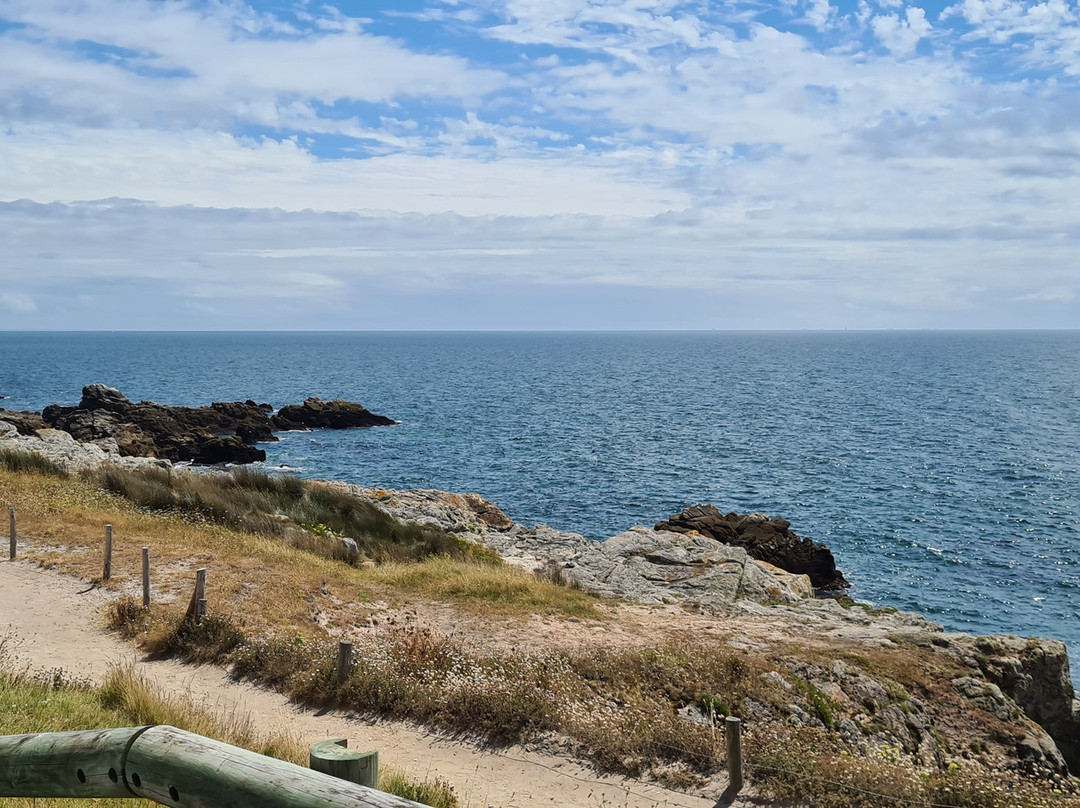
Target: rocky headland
998,701
224,432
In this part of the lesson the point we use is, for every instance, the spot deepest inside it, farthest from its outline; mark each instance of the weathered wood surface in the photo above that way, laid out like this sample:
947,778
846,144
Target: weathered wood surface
344,662
733,737
106,572
171,767
334,757
197,595
175,767
11,533
146,577
49,764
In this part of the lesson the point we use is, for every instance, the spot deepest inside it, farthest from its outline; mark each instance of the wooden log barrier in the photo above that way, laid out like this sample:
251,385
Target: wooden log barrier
334,758
171,767
66,764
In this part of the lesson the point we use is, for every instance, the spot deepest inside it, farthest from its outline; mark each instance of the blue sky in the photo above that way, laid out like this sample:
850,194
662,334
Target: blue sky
500,164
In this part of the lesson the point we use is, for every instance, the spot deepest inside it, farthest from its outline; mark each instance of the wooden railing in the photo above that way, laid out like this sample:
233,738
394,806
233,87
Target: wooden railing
173,767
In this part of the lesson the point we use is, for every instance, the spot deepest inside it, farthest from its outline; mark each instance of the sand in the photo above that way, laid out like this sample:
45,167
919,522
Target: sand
53,621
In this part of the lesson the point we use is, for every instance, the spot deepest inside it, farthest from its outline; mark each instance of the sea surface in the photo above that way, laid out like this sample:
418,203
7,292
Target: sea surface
941,468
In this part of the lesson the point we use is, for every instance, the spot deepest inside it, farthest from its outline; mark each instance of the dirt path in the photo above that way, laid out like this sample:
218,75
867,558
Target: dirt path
54,621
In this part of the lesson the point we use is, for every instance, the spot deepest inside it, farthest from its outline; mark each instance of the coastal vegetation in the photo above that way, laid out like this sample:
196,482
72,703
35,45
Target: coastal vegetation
475,647
54,702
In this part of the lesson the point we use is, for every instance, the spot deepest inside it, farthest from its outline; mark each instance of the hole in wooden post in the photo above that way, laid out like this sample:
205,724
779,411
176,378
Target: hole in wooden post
113,775
81,775
174,793
136,780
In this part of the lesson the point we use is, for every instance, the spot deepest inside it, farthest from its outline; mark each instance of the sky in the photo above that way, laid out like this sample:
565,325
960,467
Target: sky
539,164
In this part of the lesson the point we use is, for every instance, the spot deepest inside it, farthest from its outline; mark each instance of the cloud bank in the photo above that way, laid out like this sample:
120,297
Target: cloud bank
517,163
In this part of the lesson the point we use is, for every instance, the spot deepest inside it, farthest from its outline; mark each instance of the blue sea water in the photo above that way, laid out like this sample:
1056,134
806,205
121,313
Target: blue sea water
942,468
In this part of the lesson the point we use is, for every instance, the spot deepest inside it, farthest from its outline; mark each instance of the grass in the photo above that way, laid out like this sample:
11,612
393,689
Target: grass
18,460
277,609
312,515
54,703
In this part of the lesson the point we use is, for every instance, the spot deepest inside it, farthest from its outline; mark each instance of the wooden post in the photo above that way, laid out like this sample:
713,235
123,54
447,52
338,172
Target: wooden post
107,571
344,662
146,577
334,758
11,524
733,736
197,608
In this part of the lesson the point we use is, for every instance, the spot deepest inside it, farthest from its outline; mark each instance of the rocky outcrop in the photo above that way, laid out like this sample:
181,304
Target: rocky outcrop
219,433
27,423
59,447
640,565
315,413
224,432
1034,674
765,539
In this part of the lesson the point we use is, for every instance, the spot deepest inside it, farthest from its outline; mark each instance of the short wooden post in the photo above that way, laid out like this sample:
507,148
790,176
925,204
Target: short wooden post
146,577
344,662
11,525
107,571
334,758
200,594
197,608
733,736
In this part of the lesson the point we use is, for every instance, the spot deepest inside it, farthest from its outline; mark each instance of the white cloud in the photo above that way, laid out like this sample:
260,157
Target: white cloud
17,302
901,37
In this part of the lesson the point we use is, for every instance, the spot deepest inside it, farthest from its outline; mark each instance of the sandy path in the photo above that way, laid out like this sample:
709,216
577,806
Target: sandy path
54,621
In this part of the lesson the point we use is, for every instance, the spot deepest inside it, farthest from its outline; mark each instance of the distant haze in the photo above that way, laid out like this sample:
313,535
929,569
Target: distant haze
539,164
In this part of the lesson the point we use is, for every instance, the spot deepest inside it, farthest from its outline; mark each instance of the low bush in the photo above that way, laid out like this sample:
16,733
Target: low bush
22,461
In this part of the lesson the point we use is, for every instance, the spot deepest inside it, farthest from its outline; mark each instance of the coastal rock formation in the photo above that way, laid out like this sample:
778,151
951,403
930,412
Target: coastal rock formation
224,432
59,447
765,539
640,565
315,413
27,423
215,434
1020,689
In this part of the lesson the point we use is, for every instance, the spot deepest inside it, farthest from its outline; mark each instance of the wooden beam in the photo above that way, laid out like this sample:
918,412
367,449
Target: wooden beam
66,764
171,767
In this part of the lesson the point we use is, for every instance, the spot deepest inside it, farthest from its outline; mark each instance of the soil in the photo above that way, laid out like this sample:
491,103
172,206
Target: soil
53,621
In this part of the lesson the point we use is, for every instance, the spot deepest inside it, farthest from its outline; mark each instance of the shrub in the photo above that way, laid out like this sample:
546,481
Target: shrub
18,460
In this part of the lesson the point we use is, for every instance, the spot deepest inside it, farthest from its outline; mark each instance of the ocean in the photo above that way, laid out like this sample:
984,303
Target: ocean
941,468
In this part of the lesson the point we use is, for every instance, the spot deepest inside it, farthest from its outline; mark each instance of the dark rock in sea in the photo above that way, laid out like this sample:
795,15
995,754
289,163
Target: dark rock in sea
315,413
765,539
215,434
27,423
221,433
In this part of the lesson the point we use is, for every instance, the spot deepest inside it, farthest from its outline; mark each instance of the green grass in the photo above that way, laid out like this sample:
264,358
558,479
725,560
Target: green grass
310,515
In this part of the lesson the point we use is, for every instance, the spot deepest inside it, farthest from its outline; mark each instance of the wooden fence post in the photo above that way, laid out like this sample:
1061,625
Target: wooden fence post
107,571
196,610
344,662
334,758
146,577
733,736
11,524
